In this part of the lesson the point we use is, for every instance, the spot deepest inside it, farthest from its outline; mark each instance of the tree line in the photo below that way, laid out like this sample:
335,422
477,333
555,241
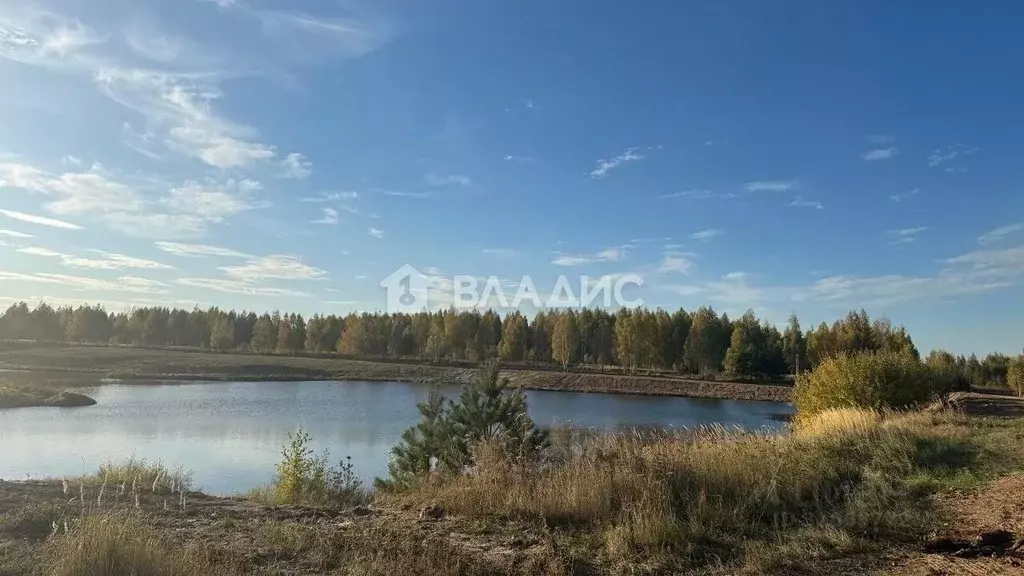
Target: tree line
701,341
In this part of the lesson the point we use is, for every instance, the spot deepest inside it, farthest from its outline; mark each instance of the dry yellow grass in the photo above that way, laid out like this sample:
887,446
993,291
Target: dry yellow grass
838,422
718,496
123,545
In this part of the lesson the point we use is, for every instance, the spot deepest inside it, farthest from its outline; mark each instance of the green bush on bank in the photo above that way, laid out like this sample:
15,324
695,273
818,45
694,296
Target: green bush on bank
307,479
881,380
1015,375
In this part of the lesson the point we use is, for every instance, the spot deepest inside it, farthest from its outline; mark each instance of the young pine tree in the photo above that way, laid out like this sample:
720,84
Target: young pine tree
488,410
422,445
445,437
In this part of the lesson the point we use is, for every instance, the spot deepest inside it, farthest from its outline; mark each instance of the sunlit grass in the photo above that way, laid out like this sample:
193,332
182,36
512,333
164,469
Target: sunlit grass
844,481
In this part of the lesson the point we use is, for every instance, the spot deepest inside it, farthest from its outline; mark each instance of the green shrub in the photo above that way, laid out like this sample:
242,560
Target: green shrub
869,380
303,478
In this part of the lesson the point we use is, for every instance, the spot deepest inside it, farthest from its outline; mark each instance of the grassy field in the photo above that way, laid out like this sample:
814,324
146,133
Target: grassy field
86,365
850,492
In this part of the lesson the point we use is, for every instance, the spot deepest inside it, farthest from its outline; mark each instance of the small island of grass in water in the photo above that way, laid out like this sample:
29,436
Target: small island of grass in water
12,396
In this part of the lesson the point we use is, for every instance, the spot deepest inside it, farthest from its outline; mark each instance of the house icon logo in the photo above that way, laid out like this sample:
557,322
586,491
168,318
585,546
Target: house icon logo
407,290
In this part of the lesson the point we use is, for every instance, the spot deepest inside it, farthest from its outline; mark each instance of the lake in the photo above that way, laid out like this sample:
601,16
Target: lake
230,433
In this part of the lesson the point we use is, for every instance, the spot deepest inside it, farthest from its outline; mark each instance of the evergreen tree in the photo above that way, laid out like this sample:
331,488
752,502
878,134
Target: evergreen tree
488,411
794,347
422,446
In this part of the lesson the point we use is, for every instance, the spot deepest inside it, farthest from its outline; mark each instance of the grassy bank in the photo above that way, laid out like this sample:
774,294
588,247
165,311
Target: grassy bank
846,482
66,365
20,396
845,492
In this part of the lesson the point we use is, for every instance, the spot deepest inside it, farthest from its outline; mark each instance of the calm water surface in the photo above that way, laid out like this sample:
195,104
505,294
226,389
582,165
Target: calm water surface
230,434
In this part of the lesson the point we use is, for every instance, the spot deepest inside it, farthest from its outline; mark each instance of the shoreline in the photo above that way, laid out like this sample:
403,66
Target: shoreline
70,366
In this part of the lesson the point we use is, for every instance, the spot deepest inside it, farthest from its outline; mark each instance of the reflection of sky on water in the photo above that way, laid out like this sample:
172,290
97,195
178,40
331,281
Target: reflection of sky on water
231,434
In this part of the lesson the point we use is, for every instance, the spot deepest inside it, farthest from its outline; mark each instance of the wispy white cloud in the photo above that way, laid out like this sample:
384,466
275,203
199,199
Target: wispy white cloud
686,289
17,175
880,154
972,273
157,225
401,194
237,287
77,192
735,288
1000,233
37,251
700,194
674,263
103,261
332,197
142,142
771,185
442,180
180,249
505,253
906,235
613,254
214,201
174,84
948,154
901,196
329,217
284,267
15,234
124,284
297,166
41,220
376,233
73,160
705,235
799,201
520,159
605,166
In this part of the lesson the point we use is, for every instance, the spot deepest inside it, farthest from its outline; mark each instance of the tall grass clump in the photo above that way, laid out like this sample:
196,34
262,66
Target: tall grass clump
139,474
309,479
123,545
877,381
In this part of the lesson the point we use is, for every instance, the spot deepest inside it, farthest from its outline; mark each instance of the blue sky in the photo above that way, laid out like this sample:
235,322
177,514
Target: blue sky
807,157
